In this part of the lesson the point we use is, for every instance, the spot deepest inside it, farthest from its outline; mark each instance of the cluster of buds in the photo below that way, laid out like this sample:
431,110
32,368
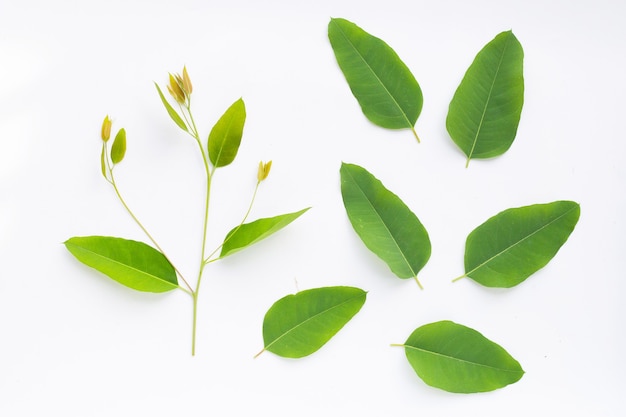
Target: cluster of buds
264,170
180,87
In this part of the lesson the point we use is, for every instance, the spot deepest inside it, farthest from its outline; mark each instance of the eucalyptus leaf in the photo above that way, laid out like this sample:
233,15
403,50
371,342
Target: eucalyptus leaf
118,149
249,233
128,262
485,111
170,110
103,166
514,244
299,324
384,223
383,85
225,136
455,358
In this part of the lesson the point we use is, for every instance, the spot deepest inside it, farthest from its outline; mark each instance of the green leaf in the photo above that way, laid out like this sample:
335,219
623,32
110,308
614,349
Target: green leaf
384,223
485,111
103,166
128,262
247,234
299,324
225,136
170,110
455,358
383,85
514,244
118,150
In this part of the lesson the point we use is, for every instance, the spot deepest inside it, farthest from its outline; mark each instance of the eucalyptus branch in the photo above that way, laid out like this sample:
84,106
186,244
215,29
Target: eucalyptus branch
147,268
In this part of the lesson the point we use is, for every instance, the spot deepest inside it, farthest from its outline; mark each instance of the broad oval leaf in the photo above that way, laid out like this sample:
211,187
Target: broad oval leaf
383,85
131,263
455,358
170,110
514,244
249,233
384,223
485,111
225,136
118,149
299,324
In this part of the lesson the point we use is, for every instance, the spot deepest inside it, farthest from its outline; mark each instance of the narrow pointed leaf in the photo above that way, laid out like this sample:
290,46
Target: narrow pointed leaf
225,136
170,110
300,324
455,358
118,149
383,85
383,222
249,233
128,262
103,161
485,111
514,244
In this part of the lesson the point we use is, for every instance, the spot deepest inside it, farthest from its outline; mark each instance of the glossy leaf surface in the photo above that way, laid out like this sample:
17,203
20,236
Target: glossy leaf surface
118,149
455,358
512,245
131,263
170,110
485,111
383,85
225,137
249,233
299,324
383,222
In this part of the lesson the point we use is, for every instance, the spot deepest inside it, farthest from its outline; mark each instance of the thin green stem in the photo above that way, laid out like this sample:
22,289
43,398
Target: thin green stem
208,259
415,134
459,278
419,284
111,180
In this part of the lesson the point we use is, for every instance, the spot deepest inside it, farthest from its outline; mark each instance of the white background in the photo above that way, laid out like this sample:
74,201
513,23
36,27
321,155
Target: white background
74,343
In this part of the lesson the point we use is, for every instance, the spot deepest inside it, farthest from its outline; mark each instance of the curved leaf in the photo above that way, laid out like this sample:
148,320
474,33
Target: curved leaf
128,262
384,223
247,234
225,136
118,150
170,110
514,244
486,108
299,324
455,358
383,85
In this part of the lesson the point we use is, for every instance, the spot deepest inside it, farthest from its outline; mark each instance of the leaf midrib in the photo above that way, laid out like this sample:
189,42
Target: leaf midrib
510,247
482,117
124,265
404,115
302,323
385,225
462,360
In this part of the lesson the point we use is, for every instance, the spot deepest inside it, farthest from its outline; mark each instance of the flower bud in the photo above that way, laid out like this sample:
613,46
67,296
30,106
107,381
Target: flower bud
264,170
187,86
105,133
176,90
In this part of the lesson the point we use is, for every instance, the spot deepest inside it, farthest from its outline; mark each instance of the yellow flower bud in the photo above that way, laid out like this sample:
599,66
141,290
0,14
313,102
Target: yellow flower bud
176,90
264,170
187,82
105,133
